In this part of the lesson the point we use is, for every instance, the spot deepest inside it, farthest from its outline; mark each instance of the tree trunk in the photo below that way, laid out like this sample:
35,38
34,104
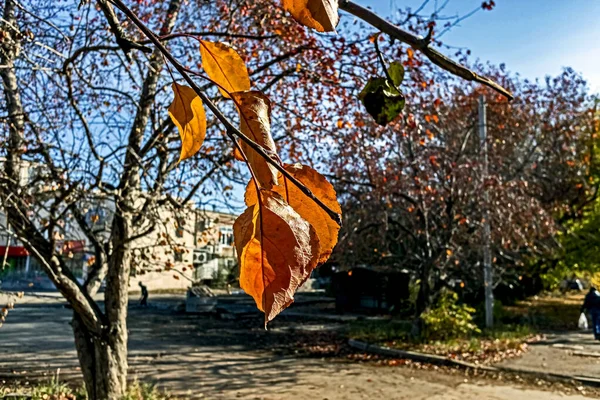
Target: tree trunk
102,360
423,298
425,287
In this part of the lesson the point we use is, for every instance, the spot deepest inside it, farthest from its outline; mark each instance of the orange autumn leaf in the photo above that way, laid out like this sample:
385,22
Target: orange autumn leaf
255,114
276,250
225,67
327,229
321,15
187,113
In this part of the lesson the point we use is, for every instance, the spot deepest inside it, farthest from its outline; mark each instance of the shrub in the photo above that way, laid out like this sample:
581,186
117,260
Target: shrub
448,319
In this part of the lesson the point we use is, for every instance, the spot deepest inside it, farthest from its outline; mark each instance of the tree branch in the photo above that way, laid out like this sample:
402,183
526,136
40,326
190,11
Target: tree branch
421,44
124,42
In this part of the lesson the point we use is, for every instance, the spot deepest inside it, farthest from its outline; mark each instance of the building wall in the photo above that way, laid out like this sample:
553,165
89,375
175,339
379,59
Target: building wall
164,259
186,246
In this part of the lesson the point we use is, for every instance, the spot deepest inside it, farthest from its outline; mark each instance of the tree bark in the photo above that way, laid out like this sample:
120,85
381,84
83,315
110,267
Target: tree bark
9,51
423,301
101,361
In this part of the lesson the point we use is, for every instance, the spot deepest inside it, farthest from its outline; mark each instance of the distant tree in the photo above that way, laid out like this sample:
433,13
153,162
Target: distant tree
412,192
579,236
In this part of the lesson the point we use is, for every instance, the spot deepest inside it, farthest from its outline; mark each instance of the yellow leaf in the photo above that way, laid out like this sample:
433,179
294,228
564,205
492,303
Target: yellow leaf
255,115
188,115
224,66
327,229
276,250
321,15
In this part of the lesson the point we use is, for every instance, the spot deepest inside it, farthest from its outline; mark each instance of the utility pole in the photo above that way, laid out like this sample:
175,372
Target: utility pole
487,254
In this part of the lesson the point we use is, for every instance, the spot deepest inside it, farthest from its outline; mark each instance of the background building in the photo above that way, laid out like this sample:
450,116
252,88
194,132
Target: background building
184,246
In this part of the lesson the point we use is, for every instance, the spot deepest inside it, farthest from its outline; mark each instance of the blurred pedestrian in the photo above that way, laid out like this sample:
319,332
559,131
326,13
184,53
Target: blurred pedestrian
144,297
591,304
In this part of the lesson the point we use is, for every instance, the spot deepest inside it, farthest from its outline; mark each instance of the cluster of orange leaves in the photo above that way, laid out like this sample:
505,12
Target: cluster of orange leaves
283,234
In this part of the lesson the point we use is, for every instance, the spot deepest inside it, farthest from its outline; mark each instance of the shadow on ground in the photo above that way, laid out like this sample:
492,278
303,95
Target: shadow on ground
205,357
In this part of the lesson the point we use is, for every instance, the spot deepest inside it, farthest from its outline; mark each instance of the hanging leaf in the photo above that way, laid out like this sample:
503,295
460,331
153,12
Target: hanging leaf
321,15
224,66
396,72
382,100
187,113
255,114
276,250
326,228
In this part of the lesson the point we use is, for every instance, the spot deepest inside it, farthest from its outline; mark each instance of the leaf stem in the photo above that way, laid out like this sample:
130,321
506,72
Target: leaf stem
383,64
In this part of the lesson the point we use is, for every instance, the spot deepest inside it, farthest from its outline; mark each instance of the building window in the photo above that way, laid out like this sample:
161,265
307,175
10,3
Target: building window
226,235
203,224
178,255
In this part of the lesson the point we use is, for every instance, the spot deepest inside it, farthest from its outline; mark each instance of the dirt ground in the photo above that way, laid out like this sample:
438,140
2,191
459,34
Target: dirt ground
204,357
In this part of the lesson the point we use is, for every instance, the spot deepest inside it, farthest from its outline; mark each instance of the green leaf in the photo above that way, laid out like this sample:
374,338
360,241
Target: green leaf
382,101
396,71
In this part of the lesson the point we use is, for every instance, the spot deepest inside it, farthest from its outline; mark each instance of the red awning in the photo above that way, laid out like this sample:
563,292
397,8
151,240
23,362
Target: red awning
73,246
14,251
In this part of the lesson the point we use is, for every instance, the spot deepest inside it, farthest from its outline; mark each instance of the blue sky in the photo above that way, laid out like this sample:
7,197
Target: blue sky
533,37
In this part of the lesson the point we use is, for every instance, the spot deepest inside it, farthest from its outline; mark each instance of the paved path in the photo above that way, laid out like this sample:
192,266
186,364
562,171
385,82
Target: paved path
200,357
559,354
